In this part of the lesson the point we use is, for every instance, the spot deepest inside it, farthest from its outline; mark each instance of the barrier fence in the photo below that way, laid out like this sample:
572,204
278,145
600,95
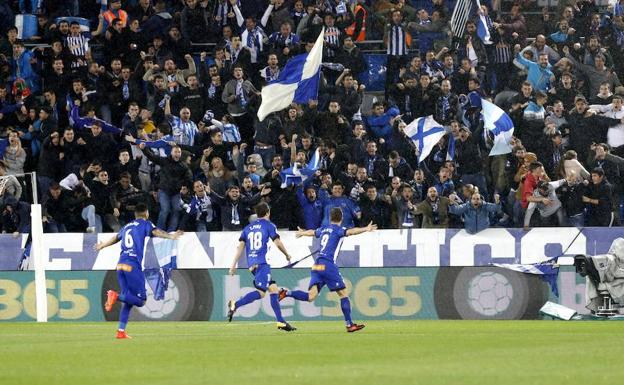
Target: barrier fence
391,274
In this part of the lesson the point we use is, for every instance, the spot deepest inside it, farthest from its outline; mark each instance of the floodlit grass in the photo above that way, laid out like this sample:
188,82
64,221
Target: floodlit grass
319,353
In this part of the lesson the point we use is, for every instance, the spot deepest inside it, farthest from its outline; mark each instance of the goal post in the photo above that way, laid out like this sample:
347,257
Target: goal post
36,260
36,250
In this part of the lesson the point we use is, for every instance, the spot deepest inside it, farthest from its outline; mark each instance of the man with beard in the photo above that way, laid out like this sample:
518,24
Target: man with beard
476,213
446,104
234,208
434,210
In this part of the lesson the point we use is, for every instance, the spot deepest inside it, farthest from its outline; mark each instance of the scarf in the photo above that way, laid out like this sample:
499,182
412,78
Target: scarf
240,93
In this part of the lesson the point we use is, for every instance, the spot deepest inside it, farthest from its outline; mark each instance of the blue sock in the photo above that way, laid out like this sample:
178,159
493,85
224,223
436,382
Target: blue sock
248,298
345,305
131,299
123,316
276,307
299,295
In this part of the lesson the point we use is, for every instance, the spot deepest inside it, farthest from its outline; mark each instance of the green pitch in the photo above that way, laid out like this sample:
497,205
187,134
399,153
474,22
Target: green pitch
319,353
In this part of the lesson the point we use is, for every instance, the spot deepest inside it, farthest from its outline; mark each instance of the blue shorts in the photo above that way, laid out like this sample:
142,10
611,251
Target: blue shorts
131,279
326,274
262,277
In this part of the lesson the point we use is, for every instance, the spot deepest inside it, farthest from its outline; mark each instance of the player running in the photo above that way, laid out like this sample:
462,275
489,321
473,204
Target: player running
325,271
254,239
129,272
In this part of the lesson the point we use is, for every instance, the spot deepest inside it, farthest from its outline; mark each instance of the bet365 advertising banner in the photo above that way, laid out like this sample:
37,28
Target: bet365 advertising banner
391,274
376,293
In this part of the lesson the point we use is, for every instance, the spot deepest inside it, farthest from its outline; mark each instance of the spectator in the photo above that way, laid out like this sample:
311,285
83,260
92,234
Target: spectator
174,174
351,211
238,93
21,68
434,210
105,212
194,21
235,210
115,12
125,197
50,163
405,208
14,155
598,196
571,196
200,211
395,38
540,76
311,206
545,200
374,209
183,129
475,213
15,217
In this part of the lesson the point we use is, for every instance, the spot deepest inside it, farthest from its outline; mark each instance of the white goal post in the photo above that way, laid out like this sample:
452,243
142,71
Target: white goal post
37,260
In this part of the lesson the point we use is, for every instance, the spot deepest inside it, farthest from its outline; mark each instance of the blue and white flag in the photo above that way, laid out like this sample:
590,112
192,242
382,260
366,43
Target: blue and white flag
26,26
450,149
501,126
298,81
547,270
157,277
295,175
483,26
425,133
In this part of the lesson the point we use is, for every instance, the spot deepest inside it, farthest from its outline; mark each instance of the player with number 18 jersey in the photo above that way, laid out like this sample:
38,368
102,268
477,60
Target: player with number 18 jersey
255,240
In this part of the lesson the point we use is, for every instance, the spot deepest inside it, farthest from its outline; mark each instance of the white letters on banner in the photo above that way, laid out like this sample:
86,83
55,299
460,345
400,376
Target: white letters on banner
417,247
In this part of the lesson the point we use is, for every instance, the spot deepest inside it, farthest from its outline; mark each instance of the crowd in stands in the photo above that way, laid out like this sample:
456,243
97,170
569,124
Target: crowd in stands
155,101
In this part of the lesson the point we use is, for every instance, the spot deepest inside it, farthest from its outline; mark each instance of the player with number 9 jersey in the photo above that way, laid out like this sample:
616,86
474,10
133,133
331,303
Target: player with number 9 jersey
330,237
325,272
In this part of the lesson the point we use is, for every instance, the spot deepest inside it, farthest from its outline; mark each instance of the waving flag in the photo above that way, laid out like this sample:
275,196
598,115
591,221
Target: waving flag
483,26
298,82
547,270
157,273
450,150
295,175
425,133
26,26
501,126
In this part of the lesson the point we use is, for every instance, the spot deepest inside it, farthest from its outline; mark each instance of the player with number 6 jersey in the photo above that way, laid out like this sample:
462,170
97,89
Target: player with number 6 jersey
325,271
129,268
254,240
